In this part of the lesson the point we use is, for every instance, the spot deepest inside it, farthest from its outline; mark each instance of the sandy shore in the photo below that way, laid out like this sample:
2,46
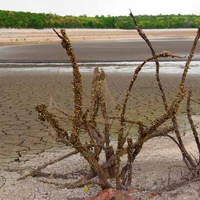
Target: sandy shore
46,36
23,138
106,45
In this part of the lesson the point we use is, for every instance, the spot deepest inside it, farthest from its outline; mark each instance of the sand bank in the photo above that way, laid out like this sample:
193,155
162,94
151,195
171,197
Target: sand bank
47,36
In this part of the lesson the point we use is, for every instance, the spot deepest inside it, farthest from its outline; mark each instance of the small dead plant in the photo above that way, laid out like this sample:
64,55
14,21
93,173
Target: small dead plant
85,120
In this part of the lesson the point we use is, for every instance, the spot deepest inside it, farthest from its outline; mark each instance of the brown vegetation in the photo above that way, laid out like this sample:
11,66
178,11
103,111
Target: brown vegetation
86,121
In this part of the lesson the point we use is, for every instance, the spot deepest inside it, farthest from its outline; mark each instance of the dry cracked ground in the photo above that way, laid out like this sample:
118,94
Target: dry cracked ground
23,138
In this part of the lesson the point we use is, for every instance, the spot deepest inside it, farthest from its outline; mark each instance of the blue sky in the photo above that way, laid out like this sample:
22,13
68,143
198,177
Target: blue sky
103,7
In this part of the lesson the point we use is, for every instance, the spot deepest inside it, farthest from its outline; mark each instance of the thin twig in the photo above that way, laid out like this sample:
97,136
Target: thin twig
39,168
143,35
194,130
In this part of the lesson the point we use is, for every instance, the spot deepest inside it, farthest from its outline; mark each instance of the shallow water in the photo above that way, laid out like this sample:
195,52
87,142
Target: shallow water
109,67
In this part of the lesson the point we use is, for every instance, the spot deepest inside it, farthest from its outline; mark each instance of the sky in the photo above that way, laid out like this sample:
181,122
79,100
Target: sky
103,7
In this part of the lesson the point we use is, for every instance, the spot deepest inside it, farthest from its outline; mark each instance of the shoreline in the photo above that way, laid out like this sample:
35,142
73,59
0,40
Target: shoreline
167,68
93,45
5,63
38,36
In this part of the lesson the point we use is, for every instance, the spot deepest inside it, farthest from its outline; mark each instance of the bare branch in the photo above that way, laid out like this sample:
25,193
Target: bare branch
194,130
39,168
143,35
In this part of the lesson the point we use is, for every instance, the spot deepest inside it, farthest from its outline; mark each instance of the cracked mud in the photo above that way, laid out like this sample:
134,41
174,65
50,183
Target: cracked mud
24,141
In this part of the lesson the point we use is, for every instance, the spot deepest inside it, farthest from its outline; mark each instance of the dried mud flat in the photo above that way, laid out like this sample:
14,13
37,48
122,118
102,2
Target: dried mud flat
156,168
24,141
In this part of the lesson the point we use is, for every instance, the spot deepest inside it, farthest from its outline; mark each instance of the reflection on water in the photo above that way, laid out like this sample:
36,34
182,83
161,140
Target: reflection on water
117,67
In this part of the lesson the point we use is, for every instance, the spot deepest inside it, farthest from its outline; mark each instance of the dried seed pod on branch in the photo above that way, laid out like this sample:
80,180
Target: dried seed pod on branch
186,156
99,139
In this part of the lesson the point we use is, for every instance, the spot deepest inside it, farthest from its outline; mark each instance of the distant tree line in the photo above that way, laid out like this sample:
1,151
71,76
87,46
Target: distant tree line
11,19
